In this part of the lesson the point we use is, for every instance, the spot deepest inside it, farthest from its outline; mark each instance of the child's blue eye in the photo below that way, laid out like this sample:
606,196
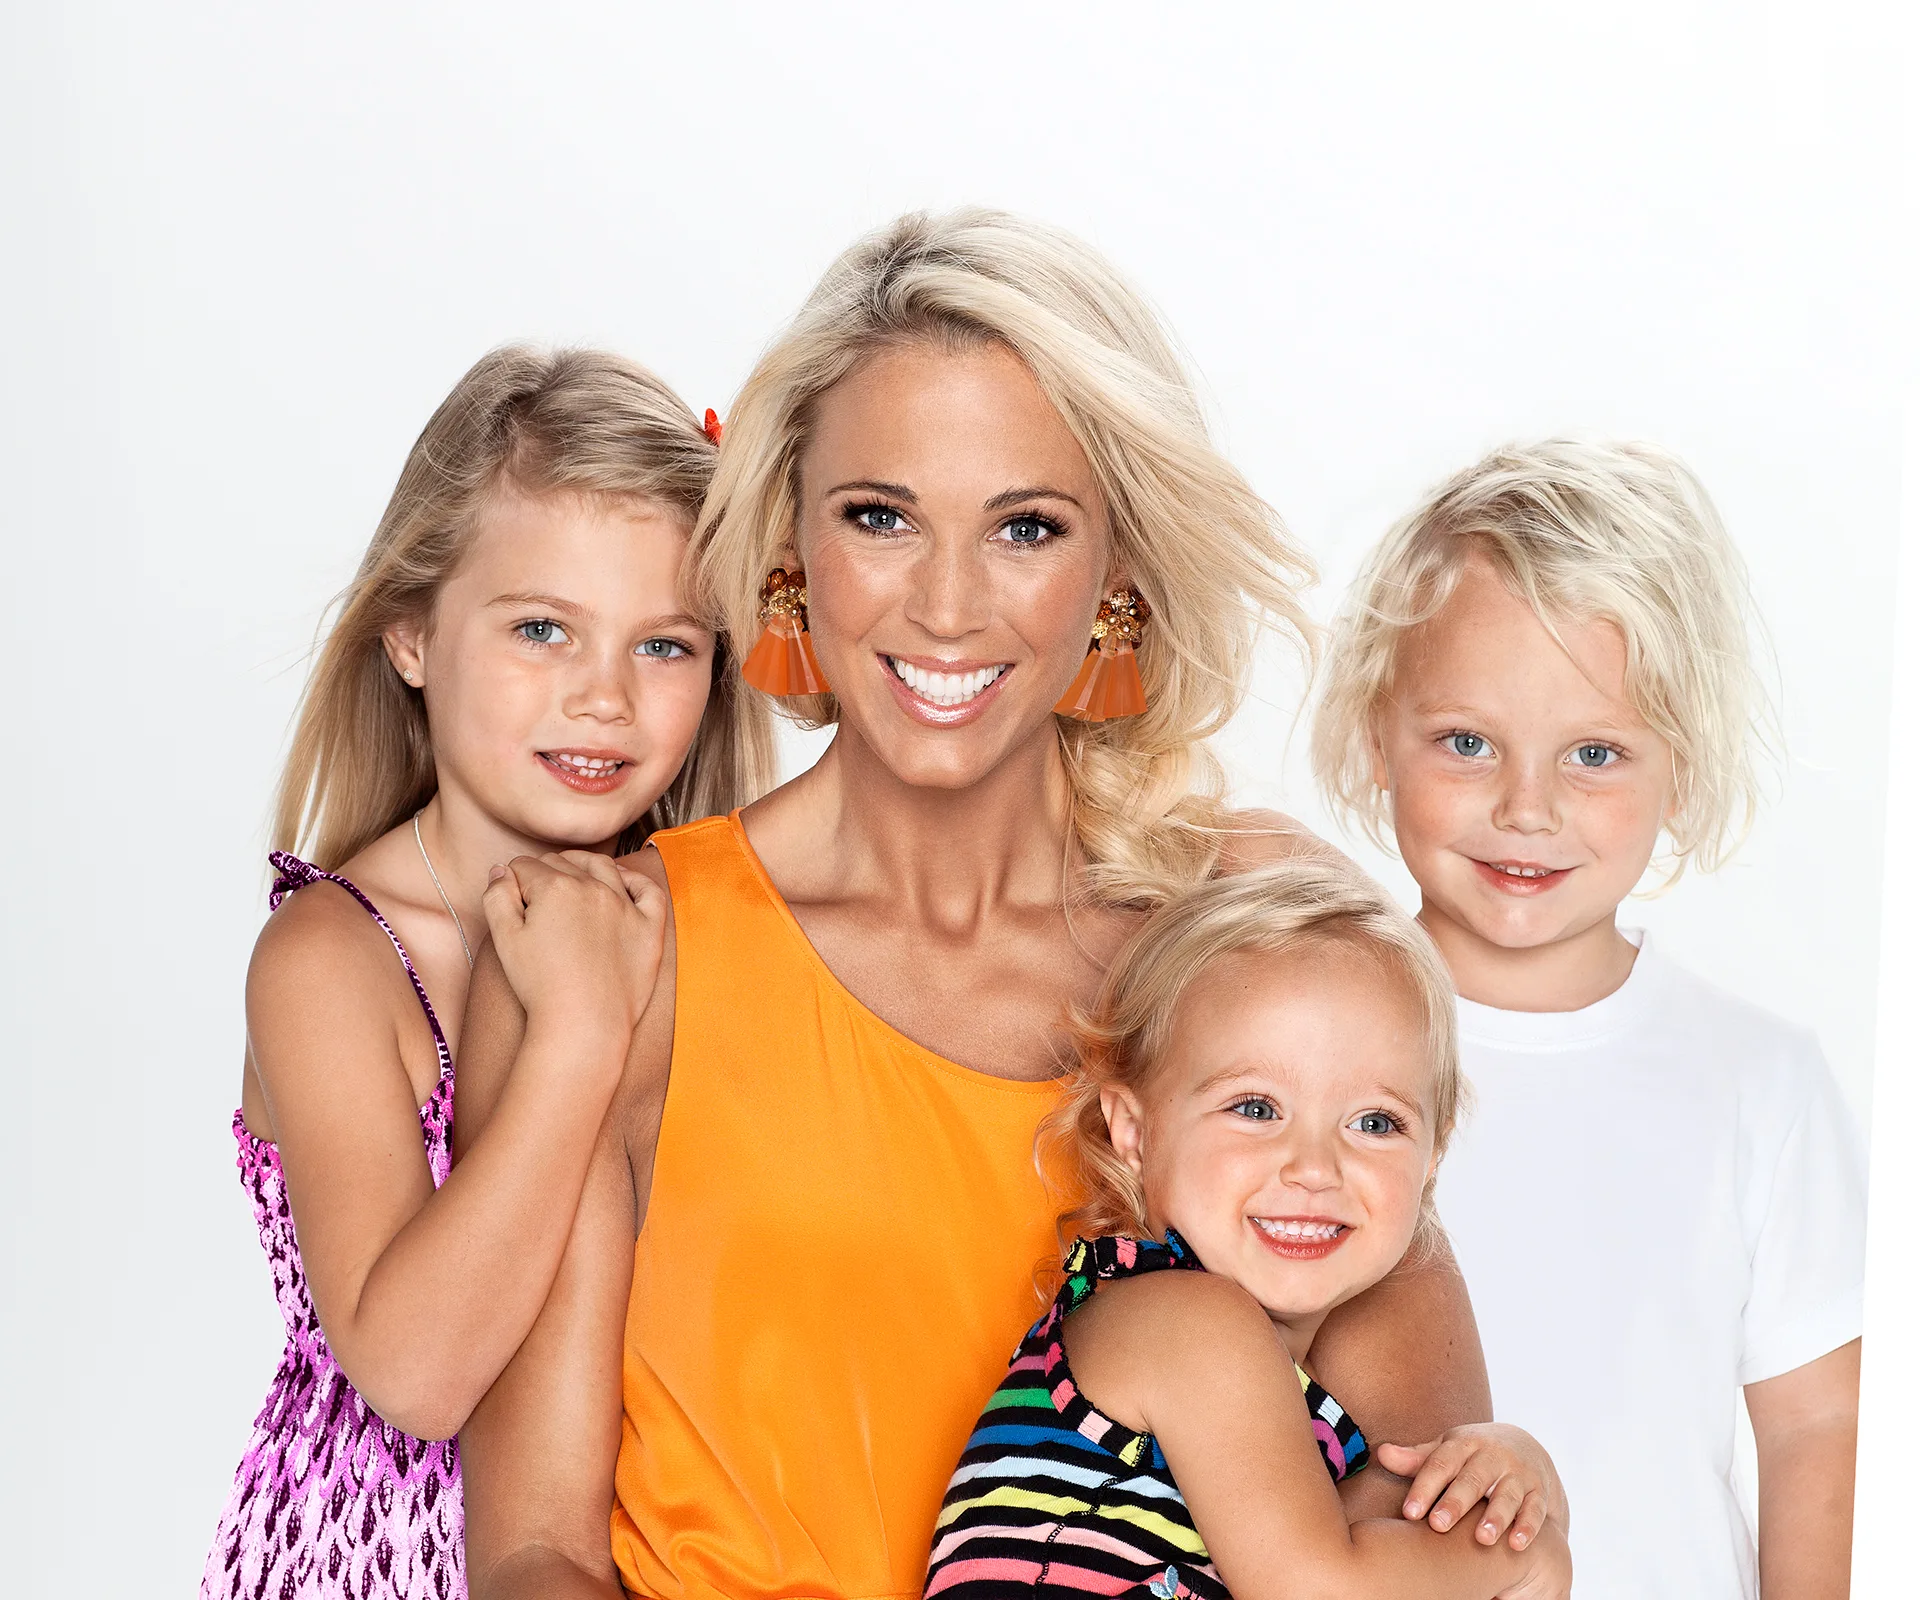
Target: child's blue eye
1254,1110
1377,1123
541,630
661,649
1595,756
1469,745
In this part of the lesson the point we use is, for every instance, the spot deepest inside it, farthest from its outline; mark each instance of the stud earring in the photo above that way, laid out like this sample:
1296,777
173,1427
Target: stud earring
782,661
1108,683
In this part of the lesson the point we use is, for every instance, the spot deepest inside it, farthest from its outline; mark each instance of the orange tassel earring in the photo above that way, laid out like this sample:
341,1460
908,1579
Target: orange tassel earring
1108,683
782,662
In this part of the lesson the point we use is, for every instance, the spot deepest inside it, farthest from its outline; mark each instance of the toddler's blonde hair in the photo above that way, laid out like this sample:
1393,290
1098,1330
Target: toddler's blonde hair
545,422
1210,556
1582,531
1301,904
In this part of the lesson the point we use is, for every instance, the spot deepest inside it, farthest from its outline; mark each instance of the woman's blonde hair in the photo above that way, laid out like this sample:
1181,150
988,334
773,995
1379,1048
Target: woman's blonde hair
1212,559
576,422
1297,905
1582,531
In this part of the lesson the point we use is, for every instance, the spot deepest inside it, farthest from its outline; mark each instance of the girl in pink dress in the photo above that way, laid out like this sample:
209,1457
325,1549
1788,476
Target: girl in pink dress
511,694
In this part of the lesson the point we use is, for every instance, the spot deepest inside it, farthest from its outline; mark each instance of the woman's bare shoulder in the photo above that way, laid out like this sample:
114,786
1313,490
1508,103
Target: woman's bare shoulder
1259,838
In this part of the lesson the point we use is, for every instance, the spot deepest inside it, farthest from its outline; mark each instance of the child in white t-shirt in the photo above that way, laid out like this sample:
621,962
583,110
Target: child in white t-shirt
1660,1199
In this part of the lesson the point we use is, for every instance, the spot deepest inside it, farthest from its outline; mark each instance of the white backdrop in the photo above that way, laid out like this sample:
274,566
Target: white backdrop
253,250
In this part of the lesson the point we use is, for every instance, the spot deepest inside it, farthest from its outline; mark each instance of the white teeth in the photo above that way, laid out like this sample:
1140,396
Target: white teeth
1522,872
944,688
596,765
1297,1230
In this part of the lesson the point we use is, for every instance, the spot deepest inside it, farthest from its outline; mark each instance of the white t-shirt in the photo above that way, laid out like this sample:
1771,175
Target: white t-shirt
1655,1200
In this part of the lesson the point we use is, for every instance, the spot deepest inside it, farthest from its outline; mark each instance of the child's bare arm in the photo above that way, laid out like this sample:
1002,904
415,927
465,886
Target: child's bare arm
1805,1423
424,1294
1214,1384
1404,1359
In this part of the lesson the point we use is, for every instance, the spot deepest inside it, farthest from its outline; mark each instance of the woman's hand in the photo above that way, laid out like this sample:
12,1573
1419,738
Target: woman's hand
579,937
1491,1461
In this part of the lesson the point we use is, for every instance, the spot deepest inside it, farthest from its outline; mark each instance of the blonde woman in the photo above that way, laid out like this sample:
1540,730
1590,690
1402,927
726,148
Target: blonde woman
812,1225
512,676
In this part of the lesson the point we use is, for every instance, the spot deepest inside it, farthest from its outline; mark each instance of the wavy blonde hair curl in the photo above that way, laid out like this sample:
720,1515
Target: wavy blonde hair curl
1297,905
1620,532
1210,556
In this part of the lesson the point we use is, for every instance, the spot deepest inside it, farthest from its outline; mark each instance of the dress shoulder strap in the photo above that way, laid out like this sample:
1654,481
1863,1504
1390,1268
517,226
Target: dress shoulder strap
292,874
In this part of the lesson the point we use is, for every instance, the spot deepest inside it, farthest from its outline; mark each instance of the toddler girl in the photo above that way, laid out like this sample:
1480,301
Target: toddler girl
512,676
1542,670
1265,1090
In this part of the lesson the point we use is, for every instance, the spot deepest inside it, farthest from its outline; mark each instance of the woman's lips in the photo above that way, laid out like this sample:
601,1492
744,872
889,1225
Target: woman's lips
946,681
587,771
1519,878
1300,1238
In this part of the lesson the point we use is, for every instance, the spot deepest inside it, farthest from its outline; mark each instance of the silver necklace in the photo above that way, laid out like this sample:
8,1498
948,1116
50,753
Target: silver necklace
443,892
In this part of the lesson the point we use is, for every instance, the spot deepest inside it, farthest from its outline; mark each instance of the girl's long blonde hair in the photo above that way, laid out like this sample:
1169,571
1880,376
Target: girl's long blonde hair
1212,558
547,422
1294,905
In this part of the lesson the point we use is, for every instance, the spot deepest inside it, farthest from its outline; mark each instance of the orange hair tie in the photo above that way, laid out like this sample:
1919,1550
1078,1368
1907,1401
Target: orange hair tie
712,427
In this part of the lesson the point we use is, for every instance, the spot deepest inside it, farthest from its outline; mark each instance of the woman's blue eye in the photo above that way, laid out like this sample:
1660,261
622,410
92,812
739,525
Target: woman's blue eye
1466,744
1595,755
1377,1123
1028,530
878,519
542,630
1254,1110
661,649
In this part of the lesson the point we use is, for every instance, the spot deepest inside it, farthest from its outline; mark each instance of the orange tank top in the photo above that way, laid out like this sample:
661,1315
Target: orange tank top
837,1260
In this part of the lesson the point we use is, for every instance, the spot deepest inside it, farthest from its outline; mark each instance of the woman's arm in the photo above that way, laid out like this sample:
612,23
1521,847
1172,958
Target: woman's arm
424,1294
1805,1424
1216,1387
1404,1359
537,1455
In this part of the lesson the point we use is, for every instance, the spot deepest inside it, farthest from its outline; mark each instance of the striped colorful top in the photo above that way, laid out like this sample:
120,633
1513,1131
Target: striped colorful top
1052,1493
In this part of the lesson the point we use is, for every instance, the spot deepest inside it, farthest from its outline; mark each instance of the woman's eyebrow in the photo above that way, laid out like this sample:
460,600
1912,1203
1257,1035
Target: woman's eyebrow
899,491
1014,496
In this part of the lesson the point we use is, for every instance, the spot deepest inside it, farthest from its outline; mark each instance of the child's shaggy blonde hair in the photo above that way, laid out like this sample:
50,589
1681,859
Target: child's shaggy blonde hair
1615,532
1296,905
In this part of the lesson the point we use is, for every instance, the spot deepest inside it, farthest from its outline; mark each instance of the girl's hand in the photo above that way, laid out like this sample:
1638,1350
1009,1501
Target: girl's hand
580,938
1491,1461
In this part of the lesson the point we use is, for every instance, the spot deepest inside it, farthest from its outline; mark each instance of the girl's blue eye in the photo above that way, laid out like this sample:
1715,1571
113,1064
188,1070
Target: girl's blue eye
1377,1123
542,630
1254,1110
1028,530
661,649
1595,756
1470,745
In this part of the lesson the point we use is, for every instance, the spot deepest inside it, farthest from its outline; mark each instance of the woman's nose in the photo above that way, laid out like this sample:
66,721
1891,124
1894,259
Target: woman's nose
950,597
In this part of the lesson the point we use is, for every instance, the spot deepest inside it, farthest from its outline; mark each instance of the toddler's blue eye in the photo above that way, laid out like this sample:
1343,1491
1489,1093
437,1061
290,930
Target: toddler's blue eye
1254,1110
1466,744
1374,1122
662,649
542,630
1596,755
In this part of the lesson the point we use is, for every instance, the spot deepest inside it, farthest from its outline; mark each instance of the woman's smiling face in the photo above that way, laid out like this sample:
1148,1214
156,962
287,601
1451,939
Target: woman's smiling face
956,546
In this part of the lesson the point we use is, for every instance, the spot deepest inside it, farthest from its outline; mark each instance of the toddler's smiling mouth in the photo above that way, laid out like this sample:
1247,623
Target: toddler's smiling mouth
1519,877
1300,1238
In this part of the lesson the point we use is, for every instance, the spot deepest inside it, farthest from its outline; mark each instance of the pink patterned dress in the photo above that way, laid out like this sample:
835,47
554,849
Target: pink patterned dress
330,1500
